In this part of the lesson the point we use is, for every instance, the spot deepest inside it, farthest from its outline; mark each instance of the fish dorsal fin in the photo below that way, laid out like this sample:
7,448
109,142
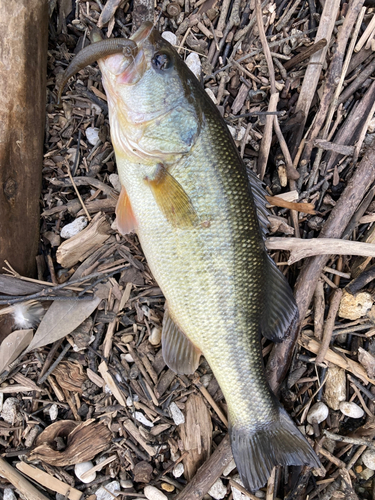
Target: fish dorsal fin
171,198
125,218
280,309
179,353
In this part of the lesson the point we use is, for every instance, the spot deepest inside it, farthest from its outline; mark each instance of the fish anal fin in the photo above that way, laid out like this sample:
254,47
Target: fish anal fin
179,353
171,198
280,315
279,442
125,218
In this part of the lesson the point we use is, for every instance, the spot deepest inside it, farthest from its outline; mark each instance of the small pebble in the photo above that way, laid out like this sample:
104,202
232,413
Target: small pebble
218,490
351,409
155,337
228,469
178,470
126,484
9,413
126,339
141,418
309,430
193,62
237,495
81,468
152,493
113,490
53,412
176,414
368,458
170,37
366,474
9,494
317,413
167,487
92,135
73,228
129,358
115,181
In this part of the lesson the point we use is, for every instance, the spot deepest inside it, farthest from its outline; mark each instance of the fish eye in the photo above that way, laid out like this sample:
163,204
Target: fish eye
161,61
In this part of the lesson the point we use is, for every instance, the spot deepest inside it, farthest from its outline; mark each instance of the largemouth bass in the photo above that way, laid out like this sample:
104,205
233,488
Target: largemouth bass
186,193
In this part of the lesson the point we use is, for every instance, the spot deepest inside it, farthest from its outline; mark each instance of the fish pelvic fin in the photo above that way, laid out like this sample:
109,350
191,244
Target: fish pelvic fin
125,218
179,353
275,443
172,199
280,311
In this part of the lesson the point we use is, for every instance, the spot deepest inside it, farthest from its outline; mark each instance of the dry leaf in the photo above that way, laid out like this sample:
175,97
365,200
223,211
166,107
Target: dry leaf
61,319
84,440
13,345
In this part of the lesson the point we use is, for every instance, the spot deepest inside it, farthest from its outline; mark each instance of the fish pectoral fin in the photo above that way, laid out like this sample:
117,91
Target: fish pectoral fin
125,219
171,198
179,353
280,314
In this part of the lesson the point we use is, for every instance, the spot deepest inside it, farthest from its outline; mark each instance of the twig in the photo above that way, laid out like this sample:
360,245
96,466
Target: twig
78,194
312,75
22,484
329,324
210,471
301,249
347,439
333,88
54,365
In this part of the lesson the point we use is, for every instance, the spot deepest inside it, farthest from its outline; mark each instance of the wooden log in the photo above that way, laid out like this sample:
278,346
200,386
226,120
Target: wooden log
23,64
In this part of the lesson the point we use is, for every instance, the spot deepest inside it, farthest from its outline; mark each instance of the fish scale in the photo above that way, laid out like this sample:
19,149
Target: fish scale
186,193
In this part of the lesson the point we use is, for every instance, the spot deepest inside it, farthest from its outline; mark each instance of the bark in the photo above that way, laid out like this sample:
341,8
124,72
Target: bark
23,61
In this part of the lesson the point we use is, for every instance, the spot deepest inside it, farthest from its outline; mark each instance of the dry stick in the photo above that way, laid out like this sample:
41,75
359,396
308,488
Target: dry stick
291,172
319,307
78,194
363,133
208,473
339,218
23,485
347,439
305,54
335,81
329,324
312,75
267,135
301,249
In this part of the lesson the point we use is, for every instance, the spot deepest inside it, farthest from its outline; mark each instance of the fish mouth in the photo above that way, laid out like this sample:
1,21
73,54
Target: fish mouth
134,70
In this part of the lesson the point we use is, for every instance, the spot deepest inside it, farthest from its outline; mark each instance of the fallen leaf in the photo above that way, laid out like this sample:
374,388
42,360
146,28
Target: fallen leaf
61,319
13,345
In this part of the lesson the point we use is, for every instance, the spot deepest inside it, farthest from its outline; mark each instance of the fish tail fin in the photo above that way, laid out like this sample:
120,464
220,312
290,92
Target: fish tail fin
279,442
